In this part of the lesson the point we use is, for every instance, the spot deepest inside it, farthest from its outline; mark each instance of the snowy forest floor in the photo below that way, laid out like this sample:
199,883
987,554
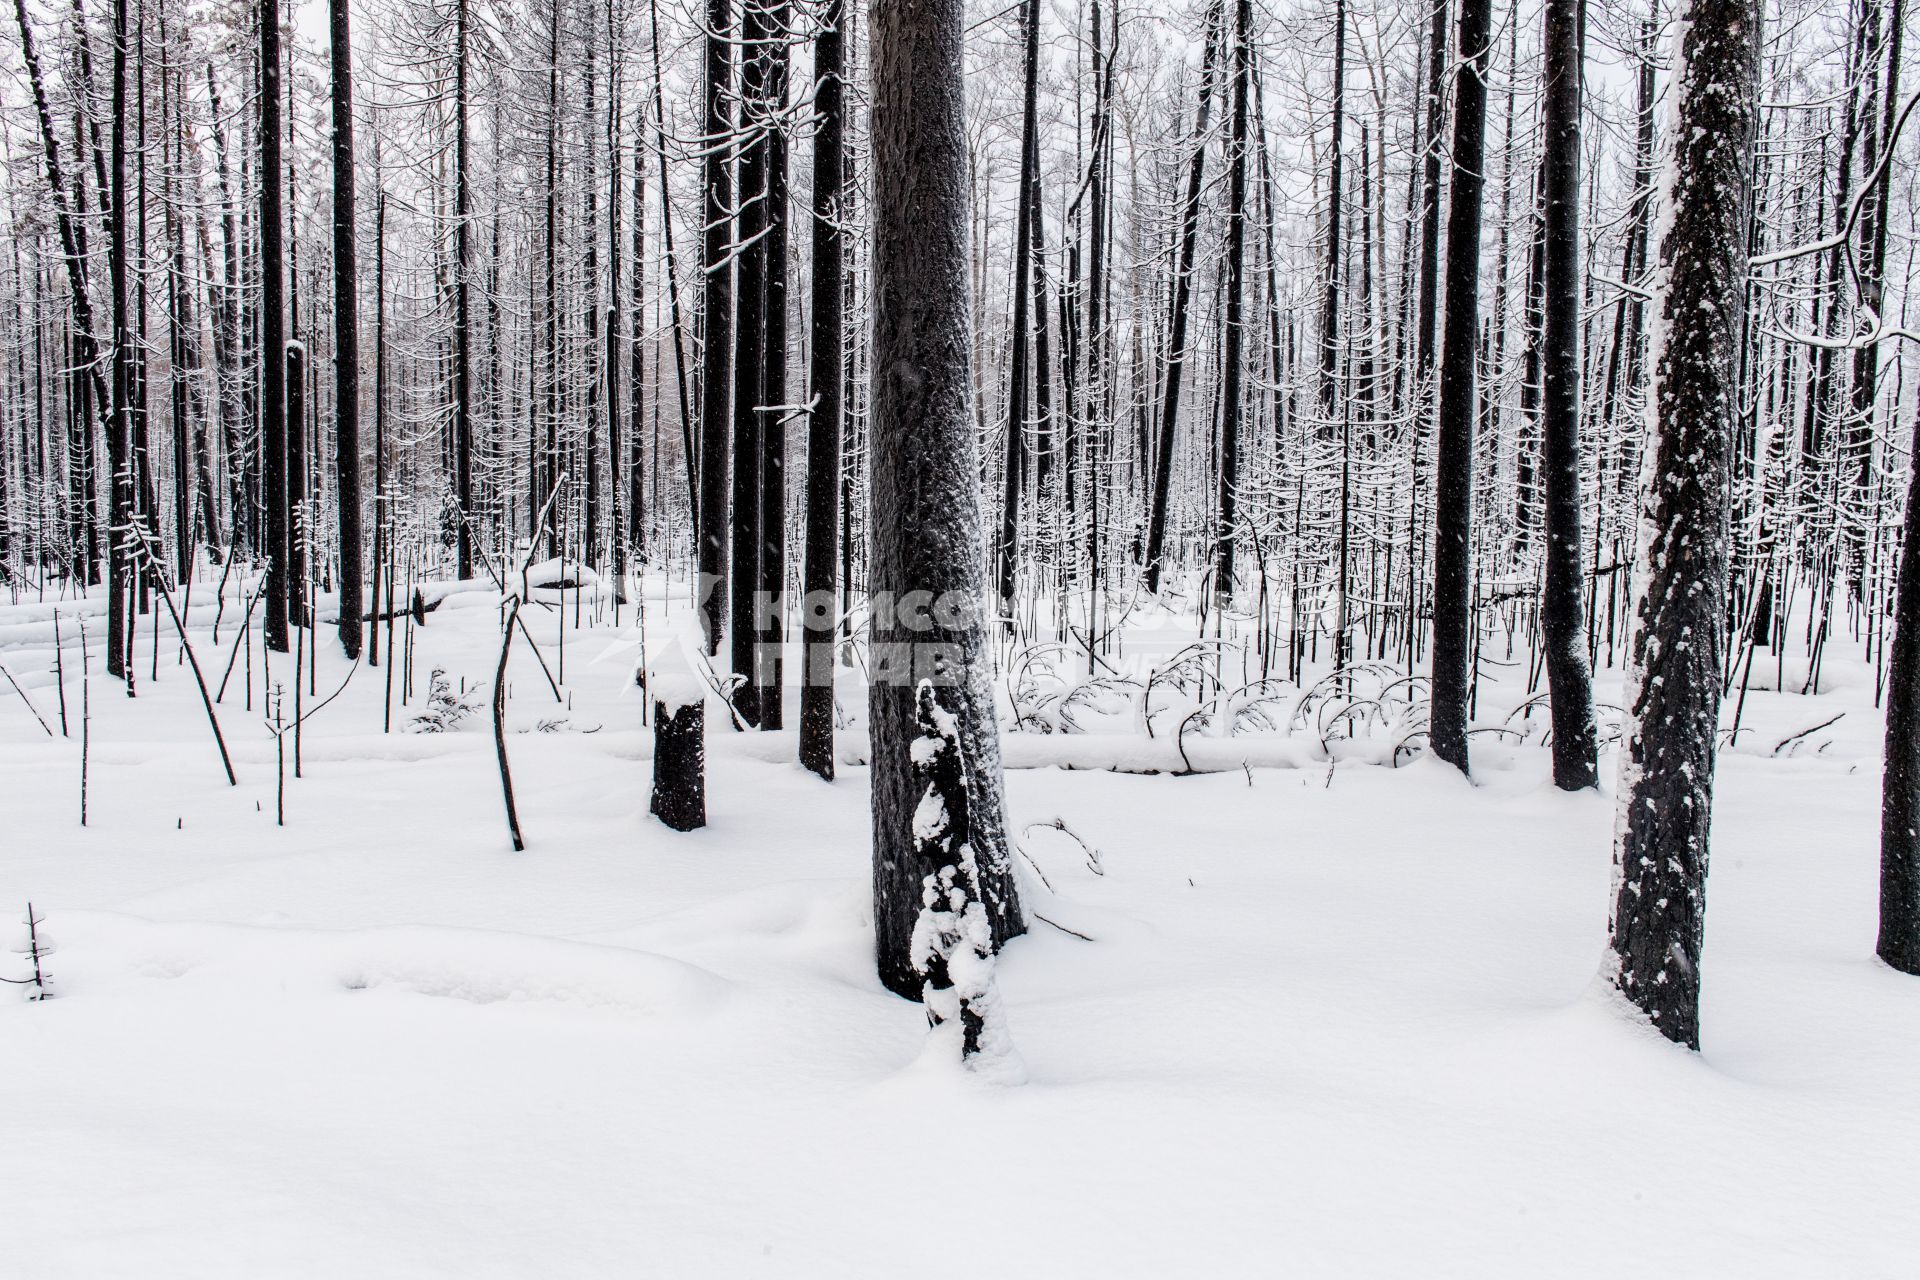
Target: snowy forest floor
1333,1019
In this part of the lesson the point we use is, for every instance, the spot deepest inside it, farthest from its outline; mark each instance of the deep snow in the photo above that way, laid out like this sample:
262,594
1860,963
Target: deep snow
1334,1019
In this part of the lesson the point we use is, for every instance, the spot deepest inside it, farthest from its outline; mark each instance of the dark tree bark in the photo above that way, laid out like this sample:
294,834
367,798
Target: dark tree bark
679,765
462,302
770,620
1674,671
1331,286
1233,386
90,389
1562,611
1436,98
1875,213
619,428
1899,943
1182,296
244,516
275,493
716,350
925,487
120,433
828,372
749,355
1021,374
551,467
346,335
952,907
1453,472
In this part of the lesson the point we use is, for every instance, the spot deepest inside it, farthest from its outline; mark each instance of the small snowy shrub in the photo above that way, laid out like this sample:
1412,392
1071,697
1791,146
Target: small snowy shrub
33,946
446,709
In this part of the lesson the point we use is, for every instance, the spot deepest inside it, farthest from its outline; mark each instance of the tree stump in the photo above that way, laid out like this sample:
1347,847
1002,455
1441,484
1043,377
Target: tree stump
679,763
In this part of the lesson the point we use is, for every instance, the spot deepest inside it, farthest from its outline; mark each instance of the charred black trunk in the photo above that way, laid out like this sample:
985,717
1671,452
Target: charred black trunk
828,372
346,336
1562,611
1453,604
717,324
1676,660
679,765
925,488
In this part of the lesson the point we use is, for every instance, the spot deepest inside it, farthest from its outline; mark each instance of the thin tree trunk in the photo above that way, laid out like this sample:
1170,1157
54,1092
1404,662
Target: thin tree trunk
273,388
717,320
1233,387
1453,605
1562,613
1022,374
827,373
1176,359
346,335
462,303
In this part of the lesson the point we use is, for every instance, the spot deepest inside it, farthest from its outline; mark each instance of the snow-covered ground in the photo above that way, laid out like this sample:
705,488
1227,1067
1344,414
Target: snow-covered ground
1328,1019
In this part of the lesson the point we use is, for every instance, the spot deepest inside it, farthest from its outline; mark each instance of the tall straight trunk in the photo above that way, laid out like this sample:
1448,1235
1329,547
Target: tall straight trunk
717,320
1099,400
120,433
636,355
691,457
273,341
346,334
244,515
1563,620
769,623
1021,373
828,370
300,488
1233,386
617,425
1453,472
925,476
380,548
1674,671
1876,212
749,352
462,307
1899,941
1331,285
90,398
180,370
1436,98
550,446
1176,357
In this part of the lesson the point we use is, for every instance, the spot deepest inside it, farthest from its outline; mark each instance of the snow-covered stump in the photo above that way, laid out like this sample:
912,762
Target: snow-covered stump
679,744
952,939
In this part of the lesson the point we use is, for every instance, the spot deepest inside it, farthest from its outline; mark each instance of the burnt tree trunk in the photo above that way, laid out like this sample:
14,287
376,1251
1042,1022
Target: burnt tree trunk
717,325
1182,297
1013,476
749,360
462,296
1233,388
1562,611
1899,943
828,372
1674,670
925,487
679,764
346,336
275,495
1453,471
